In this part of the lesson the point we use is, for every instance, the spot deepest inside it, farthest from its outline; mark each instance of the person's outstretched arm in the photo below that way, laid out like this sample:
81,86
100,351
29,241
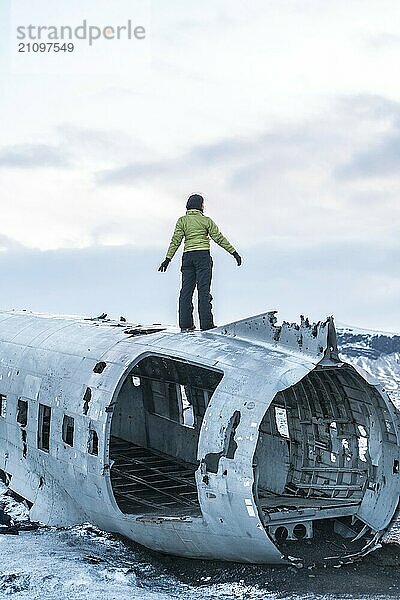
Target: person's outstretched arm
221,240
176,241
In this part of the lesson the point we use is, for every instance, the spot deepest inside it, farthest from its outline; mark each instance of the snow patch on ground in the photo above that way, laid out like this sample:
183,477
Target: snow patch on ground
16,510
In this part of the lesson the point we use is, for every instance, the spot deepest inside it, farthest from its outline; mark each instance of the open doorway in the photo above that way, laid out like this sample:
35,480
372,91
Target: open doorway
154,435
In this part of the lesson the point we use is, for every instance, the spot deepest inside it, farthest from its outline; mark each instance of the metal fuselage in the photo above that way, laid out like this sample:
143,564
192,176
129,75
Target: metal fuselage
243,443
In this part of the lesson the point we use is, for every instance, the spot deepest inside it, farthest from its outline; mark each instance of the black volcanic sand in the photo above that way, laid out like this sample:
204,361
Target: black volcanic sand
376,575
84,563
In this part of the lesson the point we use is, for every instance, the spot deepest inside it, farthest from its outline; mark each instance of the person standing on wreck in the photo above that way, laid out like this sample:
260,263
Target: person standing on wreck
197,263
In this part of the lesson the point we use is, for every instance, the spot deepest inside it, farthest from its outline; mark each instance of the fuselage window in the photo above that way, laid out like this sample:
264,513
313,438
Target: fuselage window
44,419
188,417
22,413
93,446
281,421
68,430
3,406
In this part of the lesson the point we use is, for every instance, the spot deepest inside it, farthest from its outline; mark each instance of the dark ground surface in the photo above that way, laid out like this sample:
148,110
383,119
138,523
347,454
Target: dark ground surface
84,564
376,575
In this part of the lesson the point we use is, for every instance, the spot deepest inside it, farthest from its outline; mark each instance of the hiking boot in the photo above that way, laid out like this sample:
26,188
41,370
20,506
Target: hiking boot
187,329
207,328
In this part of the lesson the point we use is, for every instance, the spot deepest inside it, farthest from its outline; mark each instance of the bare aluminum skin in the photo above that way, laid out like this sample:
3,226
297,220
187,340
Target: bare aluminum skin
50,360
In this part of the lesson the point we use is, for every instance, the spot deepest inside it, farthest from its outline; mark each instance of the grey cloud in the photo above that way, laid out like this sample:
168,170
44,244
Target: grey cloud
33,156
292,166
222,151
253,172
379,160
76,145
370,106
284,147
201,156
85,145
381,156
133,172
227,153
101,142
240,162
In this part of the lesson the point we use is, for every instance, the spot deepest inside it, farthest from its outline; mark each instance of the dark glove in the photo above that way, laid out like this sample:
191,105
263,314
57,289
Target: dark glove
238,258
164,265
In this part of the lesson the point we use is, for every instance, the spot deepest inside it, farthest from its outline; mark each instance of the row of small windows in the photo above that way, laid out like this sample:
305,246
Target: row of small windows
67,431
44,422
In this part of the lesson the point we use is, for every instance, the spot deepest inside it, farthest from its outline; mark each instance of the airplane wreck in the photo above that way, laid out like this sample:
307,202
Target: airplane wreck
251,442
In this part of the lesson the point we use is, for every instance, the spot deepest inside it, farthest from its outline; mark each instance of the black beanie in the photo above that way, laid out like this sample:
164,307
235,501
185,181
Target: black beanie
195,201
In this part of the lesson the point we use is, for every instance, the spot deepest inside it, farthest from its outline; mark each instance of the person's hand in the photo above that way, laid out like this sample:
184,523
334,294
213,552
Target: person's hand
164,265
238,258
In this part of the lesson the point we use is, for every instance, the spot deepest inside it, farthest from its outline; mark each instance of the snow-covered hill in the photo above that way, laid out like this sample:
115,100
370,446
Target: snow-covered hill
376,352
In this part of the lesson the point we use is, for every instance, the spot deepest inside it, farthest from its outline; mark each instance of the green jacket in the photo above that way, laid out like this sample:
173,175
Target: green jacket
197,229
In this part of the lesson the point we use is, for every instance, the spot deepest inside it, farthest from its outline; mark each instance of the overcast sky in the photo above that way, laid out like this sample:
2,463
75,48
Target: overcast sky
284,114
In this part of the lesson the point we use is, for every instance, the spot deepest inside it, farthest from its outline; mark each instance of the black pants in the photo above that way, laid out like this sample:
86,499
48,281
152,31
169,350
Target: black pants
196,271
